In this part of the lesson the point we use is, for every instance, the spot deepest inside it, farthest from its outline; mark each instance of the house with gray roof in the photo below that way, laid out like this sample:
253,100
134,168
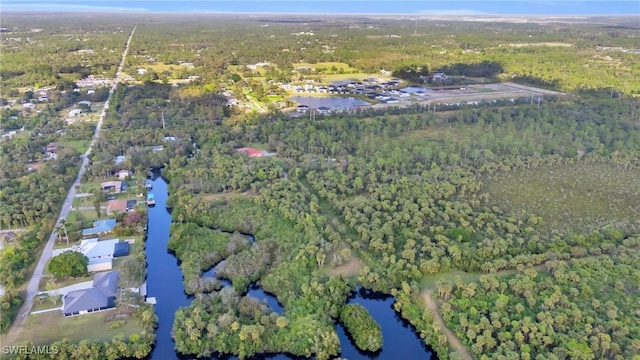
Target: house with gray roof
102,296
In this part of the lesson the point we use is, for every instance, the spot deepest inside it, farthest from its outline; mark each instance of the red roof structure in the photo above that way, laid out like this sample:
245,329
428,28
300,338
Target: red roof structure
250,151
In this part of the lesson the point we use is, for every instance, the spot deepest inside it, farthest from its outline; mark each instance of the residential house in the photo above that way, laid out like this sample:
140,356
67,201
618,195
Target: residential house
251,151
9,237
28,106
100,227
51,150
123,174
302,108
10,134
119,159
100,297
99,252
324,110
114,206
116,186
34,166
75,112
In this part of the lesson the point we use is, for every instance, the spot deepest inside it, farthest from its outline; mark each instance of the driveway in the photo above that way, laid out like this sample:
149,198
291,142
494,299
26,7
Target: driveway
33,285
64,290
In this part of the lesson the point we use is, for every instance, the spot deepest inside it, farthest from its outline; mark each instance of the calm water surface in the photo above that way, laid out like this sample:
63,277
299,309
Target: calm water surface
164,282
330,102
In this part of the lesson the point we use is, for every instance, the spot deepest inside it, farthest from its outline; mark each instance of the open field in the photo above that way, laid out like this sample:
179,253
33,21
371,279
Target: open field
550,44
350,269
49,327
327,67
573,197
482,92
160,67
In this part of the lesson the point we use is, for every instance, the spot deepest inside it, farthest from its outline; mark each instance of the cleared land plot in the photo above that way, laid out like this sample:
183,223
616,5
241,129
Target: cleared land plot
327,67
49,327
486,92
578,197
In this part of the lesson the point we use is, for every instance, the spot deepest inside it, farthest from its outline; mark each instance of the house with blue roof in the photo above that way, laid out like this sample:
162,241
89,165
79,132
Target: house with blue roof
100,227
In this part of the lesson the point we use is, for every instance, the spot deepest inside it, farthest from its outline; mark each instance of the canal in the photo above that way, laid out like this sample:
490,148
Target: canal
164,282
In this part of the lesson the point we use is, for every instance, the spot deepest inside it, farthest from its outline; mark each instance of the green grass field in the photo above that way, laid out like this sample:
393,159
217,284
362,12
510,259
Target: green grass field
328,67
49,327
576,198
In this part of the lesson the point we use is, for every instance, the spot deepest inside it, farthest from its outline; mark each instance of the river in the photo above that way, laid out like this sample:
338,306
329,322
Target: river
164,282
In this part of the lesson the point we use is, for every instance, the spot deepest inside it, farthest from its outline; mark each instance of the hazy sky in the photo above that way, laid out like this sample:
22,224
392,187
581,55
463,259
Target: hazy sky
531,7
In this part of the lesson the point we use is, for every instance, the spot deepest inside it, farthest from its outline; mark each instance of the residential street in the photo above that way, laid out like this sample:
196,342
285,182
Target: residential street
32,287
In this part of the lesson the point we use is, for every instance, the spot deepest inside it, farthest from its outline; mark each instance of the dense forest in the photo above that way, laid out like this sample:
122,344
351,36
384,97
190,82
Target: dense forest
403,191
533,206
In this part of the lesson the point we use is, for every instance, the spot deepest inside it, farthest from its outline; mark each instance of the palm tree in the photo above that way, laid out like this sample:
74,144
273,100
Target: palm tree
57,230
63,224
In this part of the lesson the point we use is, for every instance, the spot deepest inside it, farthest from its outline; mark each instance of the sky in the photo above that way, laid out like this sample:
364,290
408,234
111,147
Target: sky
453,7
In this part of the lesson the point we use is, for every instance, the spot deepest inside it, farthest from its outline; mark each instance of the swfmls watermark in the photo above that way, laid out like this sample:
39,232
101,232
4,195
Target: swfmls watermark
29,350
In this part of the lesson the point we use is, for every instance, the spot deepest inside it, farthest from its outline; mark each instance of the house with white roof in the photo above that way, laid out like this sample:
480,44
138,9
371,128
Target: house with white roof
99,253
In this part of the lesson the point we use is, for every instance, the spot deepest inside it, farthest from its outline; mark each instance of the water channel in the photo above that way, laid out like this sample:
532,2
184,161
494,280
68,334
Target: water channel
164,282
334,102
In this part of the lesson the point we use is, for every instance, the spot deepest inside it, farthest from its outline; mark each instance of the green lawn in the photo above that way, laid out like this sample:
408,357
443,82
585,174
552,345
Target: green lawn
45,303
49,327
328,66
80,146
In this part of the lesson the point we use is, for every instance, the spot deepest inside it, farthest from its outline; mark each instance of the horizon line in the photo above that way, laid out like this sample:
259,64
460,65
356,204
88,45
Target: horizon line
213,12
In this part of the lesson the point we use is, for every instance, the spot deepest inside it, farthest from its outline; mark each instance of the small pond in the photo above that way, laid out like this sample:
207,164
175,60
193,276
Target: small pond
330,102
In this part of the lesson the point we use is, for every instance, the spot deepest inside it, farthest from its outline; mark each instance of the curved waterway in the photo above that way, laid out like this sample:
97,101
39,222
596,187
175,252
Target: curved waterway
164,282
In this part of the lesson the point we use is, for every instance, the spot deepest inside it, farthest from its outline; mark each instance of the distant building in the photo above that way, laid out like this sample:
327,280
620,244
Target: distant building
123,174
115,186
120,205
75,112
251,151
9,237
119,159
51,149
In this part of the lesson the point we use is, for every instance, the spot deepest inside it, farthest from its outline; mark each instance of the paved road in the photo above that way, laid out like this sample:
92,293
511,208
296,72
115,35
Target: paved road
32,287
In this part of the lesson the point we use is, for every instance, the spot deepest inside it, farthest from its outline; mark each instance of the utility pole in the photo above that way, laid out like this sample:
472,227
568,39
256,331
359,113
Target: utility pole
163,125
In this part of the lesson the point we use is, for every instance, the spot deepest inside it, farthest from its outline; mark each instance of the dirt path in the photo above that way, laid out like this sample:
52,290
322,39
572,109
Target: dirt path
34,282
453,340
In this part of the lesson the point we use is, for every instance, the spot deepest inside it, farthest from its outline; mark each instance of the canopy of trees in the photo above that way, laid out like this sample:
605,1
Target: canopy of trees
362,327
68,264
